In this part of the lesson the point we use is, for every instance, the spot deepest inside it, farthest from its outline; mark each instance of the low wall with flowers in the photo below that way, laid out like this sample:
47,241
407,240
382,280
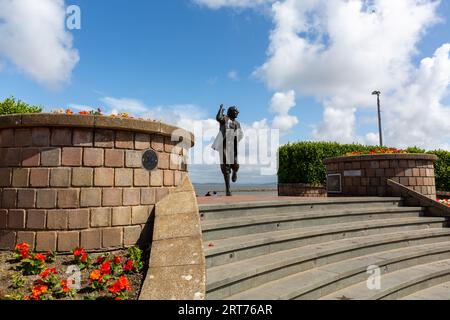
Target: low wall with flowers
78,180
367,175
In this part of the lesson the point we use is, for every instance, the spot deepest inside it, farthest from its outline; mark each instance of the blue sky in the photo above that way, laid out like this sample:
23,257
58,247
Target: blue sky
168,54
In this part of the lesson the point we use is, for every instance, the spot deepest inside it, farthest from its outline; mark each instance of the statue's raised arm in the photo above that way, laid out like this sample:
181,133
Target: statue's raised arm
220,115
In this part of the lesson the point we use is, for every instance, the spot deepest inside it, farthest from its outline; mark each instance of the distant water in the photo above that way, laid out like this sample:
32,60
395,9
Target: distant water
267,189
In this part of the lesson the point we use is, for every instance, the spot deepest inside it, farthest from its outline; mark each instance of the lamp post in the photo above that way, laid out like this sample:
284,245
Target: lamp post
378,93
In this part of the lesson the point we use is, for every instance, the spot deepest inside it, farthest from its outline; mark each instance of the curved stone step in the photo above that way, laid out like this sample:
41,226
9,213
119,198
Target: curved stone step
236,210
438,292
314,283
226,280
398,284
231,227
219,252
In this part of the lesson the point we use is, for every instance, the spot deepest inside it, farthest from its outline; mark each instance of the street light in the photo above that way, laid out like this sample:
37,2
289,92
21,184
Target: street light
378,93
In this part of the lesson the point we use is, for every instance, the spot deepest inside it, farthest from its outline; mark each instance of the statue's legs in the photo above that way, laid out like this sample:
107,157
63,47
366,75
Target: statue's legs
235,168
226,171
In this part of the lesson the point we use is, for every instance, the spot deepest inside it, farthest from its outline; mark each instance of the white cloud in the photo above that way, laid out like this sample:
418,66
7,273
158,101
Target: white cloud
217,4
281,104
233,75
34,39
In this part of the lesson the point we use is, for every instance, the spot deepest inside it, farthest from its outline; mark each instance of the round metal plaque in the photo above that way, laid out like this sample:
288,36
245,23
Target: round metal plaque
150,160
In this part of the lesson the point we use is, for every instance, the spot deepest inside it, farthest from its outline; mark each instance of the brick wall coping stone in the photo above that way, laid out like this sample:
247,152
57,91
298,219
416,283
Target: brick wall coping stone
443,194
92,121
414,198
177,262
376,157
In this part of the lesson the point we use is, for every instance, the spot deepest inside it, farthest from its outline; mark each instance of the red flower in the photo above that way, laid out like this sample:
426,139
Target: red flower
120,285
22,246
117,260
100,260
64,286
25,254
128,266
105,268
47,272
40,257
84,257
78,252
38,291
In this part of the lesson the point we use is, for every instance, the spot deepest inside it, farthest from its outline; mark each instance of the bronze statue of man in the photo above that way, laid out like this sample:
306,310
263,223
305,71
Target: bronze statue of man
226,144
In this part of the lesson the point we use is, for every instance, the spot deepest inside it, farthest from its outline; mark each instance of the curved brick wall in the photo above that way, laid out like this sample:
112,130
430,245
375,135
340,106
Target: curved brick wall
68,181
412,170
301,190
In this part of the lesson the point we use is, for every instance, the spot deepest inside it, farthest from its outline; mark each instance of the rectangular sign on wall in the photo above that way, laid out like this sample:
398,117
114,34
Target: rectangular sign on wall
353,173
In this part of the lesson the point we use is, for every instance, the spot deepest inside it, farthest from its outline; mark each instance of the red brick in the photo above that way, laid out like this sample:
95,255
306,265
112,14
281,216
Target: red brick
374,164
419,181
83,138
123,177
112,197
5,177
3,218
82,177
104,177
68,198
40,137
6,138
379,173
27,237
114,158
7,240
61,137
11,157
36,219
169,145
16,219
124,140
412,181
9,198
131,235
131,197
26,198
399,172
141,178
72,156
133,159
93,157
148,196
31,157
91,239
101,217
57,219
163,161
91,197
51,157
121,216
416,172
412,163
39,177
408,172
78,219
112,237
168,178
403,163
60,177
45,241
67,241
142,141
22,137
157,142
404,181
104,138
20,178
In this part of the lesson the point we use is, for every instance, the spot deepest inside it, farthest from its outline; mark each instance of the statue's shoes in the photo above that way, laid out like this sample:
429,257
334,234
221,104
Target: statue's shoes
229,194
234,177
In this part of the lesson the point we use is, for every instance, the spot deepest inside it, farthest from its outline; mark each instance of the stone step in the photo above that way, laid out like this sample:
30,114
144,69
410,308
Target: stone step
399,284
236,210
324,280
232,227
226,280
437,292
219,252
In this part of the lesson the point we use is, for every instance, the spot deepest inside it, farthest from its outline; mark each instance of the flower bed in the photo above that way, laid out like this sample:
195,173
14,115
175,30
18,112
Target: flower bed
25,275
444,201
376,151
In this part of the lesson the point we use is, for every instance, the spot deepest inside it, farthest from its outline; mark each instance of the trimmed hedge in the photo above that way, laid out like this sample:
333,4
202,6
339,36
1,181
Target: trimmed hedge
302,162
11,106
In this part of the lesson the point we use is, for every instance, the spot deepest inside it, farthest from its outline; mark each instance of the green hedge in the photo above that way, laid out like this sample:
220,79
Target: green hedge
302,162
11,106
